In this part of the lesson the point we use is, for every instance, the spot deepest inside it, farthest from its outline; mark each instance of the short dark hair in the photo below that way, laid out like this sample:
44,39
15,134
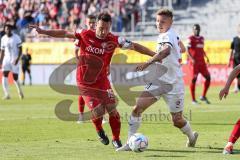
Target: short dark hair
104,16
196,25
91,16
9,25
165,12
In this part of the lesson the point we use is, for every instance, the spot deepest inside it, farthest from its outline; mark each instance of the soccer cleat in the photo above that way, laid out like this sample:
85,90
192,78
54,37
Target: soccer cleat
192,142
228,149
194,102
117,143
6,97
80,119
204,99
21,96
103,137
125,147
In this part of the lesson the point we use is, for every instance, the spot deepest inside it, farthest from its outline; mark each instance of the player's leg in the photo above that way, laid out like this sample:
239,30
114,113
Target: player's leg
5,84
204,71
29,75
195,72
175,103
15,71
81,105
17,84
228,149
145,100
23,75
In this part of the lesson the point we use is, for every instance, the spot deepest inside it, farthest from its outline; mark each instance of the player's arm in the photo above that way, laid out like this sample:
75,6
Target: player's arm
156,58
141,49
59,33
182,47
232,76
230,57
1,57
19,55
205,55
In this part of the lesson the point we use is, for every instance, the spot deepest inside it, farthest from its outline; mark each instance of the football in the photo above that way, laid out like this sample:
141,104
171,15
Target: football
138,142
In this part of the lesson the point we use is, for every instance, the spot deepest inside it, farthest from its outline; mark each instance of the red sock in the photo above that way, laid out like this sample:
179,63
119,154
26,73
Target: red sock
81,104
235,132
98,123
192,90
115,123
206,86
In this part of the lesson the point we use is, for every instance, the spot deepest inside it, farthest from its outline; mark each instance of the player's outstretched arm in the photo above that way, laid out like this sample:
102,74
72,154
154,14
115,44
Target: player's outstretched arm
182,47
156,58
54,33
141,49
232,76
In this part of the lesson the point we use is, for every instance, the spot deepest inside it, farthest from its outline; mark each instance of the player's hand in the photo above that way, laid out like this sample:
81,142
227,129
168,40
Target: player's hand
38,29
223,93
142,66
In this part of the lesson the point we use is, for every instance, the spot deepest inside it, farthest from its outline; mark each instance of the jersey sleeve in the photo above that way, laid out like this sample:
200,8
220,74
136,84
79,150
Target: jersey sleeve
2,44
124,43
167,39
78,33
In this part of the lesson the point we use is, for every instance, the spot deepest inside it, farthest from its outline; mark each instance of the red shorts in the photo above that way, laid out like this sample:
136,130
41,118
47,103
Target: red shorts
97,94
195,70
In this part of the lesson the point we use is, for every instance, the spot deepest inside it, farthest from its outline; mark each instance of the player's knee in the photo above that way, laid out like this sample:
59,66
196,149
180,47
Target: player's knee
194,80
177,121
137,111
15,77
208,78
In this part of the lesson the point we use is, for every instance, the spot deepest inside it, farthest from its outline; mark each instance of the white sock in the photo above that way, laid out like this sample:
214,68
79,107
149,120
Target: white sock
134,124
187,130
229,144
18,87
5,85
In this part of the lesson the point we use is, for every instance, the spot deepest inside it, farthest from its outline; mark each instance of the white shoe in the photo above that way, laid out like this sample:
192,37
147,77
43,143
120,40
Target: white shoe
6,97
191,143
125,147
80,119
21,96
195,102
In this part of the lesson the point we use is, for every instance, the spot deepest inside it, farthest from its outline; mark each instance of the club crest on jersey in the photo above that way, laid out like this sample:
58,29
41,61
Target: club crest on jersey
94,50
109,46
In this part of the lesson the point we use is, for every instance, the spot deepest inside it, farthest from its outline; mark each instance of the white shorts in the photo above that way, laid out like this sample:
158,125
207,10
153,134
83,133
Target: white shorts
10,67
173,94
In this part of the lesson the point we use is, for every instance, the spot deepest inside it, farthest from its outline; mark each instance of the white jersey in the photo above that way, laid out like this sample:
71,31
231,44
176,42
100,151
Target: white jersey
171,62
10,45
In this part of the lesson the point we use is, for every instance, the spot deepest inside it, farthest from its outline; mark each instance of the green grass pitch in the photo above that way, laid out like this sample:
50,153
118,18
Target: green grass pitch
29,130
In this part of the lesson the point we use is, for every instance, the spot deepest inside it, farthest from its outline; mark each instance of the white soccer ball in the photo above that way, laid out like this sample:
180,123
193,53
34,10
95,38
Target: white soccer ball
138,142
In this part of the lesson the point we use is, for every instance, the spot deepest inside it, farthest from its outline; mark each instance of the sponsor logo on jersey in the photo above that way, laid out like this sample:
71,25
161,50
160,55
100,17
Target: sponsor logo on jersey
95,50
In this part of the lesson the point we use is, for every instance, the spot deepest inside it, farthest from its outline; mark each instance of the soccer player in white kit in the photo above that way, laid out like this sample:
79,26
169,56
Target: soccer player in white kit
166,82
11,51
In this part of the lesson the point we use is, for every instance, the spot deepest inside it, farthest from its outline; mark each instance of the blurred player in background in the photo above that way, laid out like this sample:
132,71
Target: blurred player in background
196,55
26,63
98,46
236,130
169,86
11,51
234,58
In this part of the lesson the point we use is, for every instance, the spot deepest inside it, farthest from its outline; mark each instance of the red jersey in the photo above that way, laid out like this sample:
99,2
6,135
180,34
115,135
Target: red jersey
95,55
195,47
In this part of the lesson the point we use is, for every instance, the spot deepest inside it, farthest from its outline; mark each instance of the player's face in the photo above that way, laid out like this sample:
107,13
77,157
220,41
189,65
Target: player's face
91,23
163,23
8,31
196,30
102,29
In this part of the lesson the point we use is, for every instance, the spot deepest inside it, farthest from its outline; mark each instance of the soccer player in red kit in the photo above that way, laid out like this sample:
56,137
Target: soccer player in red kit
197,63
96,49
228,149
